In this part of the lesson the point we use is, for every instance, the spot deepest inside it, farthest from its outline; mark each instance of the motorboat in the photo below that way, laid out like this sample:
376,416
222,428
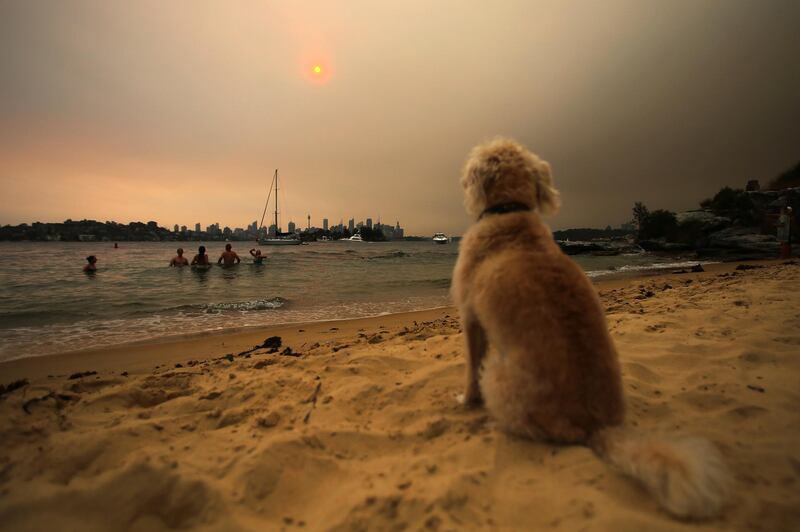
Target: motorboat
356,238
440,238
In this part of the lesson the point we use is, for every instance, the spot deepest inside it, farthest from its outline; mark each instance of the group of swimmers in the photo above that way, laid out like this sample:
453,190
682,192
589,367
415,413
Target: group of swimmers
227,258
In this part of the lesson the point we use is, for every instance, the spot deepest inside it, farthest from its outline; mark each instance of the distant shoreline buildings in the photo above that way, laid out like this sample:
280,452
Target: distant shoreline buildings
92,230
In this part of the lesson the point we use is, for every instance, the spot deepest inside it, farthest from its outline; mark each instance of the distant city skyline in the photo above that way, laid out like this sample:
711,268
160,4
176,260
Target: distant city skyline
201,226
291,227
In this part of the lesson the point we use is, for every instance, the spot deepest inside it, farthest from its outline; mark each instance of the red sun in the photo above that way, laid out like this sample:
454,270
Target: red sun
318,72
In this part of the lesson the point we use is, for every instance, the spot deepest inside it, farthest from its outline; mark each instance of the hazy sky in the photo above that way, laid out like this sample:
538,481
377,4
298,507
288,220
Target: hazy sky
180,111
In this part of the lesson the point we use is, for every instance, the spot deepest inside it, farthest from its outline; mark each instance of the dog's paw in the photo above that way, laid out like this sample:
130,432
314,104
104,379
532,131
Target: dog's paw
469,402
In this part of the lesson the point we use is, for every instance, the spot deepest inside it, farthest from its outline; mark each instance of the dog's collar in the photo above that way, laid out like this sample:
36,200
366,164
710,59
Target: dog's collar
504,208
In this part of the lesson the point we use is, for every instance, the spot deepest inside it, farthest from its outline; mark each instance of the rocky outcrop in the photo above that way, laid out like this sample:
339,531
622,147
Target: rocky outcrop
775,199
742,238
706,220
708,233
661,244
614,246
740,243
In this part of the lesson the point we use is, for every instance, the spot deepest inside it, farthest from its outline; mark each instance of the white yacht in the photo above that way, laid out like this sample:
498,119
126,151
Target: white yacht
356,238
440,238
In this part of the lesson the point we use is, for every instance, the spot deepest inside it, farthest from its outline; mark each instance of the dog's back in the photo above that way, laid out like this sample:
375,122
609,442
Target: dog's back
556,375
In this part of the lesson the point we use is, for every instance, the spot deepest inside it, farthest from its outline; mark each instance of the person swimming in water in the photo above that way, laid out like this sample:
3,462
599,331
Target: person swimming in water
228,257
258,258
201,259
92,266
179,260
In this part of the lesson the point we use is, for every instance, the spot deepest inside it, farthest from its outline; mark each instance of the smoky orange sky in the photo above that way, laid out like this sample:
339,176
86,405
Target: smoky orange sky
180,111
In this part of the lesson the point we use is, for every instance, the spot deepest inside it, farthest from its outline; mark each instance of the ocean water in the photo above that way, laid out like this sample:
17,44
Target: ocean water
48,305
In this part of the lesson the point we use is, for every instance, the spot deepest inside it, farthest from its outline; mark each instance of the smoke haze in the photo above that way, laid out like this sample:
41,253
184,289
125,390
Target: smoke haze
180,111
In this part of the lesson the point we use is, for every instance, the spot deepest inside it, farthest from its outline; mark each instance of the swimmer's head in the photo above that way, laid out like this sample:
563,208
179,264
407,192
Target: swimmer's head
91,259
202,250
180,252
227,247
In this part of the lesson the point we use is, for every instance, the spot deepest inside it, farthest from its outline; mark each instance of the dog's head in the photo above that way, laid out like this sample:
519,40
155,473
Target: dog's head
502,171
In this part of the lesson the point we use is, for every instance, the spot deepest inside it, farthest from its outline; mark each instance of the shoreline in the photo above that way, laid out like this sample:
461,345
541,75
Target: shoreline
143,355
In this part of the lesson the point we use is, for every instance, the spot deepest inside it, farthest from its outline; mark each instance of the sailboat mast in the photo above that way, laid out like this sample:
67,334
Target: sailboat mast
277,230
266,204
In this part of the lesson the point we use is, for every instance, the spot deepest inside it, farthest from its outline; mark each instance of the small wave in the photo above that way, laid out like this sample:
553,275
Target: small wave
443,282
439,283
246,306
22,318
390,255
634,268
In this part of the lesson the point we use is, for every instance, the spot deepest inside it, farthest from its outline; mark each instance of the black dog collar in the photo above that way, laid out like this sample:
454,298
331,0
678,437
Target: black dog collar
504,208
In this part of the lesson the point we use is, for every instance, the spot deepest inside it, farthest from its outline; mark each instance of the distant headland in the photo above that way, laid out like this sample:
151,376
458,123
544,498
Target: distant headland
95,231
734,224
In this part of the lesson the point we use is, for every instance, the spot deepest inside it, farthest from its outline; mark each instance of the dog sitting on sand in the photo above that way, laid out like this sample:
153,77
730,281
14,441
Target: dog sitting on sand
555,375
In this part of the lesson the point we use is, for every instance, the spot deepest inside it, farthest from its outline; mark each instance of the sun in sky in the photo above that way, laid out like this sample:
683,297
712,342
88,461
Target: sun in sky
318,72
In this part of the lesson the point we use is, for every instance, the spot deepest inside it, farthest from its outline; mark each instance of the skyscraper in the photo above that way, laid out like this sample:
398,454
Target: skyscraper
292,227
351,224
324,224
197,227
369,223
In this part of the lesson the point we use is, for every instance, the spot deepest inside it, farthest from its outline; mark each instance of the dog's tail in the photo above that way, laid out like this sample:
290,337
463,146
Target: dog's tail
687,476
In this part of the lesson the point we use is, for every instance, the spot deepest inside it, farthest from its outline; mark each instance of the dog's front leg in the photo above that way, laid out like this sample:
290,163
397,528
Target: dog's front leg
476,350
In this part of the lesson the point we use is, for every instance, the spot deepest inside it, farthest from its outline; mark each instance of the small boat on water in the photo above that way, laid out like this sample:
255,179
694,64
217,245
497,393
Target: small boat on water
279,239
356,238
440,238
282,239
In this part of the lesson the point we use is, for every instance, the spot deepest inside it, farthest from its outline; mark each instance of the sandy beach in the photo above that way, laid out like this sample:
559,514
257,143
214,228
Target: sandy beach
354,425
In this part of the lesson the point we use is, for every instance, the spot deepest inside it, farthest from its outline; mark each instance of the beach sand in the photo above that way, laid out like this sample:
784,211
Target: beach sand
358,427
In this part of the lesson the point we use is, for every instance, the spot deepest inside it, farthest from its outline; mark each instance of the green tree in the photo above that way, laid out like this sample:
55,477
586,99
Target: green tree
733,203
640,215
659,224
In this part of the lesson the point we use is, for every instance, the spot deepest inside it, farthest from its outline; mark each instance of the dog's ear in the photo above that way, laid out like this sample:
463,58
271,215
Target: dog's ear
548,200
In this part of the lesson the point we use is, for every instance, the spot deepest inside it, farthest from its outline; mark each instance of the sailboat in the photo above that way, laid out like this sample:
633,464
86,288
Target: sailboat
280,239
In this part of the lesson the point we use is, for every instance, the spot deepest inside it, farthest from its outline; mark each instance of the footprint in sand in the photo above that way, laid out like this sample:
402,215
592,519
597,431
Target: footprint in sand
641,372
746,412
